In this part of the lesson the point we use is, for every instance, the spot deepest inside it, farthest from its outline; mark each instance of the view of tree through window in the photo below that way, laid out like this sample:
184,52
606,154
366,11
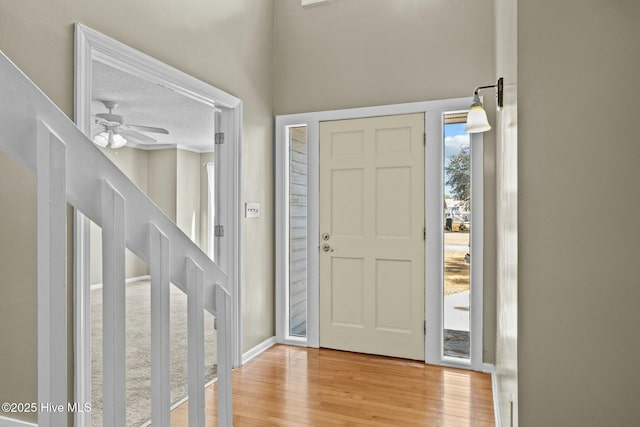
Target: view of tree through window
457,227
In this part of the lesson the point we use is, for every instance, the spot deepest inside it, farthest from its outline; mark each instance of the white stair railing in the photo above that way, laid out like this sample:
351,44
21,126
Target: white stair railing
70,169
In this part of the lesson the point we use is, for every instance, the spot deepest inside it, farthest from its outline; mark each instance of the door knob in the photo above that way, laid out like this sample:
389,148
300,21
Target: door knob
326,247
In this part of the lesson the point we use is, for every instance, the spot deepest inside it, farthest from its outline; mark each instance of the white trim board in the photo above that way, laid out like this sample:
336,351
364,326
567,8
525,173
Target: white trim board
490,368
307,3
434,194
257,350
10,422
147,147
496,398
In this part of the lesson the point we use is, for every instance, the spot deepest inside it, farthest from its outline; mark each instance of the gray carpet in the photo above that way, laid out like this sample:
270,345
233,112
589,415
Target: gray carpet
138,342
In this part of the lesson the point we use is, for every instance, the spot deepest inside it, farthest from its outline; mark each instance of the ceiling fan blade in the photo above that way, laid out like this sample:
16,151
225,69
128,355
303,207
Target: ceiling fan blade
137,136
112,118
148,129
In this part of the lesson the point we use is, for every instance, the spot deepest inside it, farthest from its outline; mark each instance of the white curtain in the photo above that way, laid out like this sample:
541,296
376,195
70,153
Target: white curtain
211,211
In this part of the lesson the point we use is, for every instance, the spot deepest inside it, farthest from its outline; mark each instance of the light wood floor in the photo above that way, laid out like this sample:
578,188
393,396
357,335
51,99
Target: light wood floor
294,386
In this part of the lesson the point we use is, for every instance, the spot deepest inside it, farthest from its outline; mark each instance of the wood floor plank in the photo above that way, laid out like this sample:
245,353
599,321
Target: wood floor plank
295,386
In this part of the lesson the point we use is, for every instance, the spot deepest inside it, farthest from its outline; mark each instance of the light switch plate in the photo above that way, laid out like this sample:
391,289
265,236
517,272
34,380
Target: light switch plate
252,210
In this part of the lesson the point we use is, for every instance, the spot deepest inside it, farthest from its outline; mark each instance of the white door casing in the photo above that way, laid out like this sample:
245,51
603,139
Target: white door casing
372,244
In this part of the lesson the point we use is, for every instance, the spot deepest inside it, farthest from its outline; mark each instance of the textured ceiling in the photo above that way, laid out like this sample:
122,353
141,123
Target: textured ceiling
190,123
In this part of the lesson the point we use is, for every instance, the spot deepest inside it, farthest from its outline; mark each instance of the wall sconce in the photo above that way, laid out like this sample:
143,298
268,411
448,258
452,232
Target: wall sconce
477,118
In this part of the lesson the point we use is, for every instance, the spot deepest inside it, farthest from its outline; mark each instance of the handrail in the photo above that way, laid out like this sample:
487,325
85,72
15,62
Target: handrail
69,168
22,102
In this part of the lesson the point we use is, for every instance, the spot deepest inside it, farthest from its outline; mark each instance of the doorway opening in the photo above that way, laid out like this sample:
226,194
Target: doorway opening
372,231
207,191
434,113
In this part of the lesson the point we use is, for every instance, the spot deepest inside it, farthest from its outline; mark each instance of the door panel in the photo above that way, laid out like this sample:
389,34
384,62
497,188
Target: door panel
347,144
393,202
347,292
347,202
372,247
393,289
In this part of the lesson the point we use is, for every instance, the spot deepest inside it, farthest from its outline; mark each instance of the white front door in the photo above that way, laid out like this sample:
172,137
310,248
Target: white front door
372,235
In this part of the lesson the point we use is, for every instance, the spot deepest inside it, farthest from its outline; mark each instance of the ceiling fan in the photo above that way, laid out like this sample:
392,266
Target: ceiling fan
115,129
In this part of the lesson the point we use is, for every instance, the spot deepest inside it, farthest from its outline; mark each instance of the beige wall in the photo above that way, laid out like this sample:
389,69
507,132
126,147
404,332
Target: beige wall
134,266
134,164
188,168
258,293
507,213
225,43
171,178
18,283
162,181
176,181
579,286
351,53
204,200
346,54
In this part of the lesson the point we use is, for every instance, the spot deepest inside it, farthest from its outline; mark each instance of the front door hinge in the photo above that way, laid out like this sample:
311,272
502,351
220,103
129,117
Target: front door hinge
424,327
424,233
219,139
424,139
218,231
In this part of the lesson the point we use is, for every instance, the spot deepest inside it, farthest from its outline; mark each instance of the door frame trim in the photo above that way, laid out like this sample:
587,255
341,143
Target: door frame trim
434,195
433,111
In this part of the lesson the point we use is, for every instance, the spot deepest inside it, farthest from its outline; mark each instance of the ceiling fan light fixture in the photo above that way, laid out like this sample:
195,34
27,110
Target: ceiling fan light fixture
114,123
117,140
101,139
109,138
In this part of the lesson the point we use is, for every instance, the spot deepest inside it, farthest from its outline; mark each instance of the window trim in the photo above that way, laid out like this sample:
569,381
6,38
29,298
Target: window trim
434,188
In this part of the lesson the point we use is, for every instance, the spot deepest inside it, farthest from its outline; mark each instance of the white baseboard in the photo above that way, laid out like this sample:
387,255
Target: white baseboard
129,280
491,369
255,351
10,422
